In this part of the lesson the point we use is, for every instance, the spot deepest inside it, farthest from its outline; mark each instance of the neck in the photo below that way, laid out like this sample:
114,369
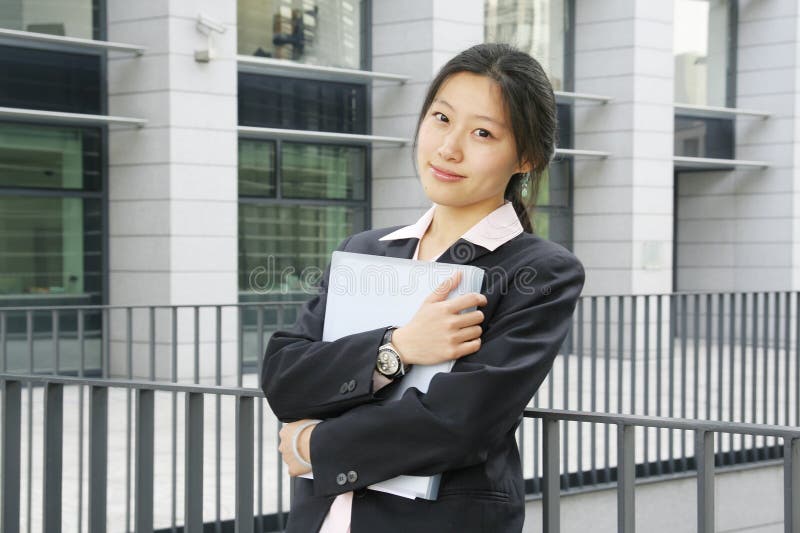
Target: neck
451,222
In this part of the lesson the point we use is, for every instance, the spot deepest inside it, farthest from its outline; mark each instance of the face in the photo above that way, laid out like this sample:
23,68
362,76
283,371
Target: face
466,152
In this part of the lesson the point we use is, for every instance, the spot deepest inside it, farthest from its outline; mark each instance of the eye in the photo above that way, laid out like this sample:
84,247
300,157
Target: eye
483,133
441,117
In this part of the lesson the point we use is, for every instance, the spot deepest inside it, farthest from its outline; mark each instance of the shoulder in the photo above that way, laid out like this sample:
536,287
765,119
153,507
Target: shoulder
529,250
367,241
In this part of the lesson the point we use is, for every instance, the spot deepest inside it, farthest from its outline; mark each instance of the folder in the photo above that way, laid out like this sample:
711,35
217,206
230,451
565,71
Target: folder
366,292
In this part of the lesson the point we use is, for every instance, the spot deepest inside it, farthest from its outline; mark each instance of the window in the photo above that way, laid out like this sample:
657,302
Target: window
318,32
69,18
703,42
537,27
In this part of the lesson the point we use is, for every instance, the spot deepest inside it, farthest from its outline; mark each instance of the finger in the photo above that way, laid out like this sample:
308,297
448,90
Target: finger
465,301
471,318
467,348
468,334
446,287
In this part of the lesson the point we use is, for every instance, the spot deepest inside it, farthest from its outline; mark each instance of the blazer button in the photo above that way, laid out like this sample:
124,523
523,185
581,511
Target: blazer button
351,385
344,388
352,477
341,479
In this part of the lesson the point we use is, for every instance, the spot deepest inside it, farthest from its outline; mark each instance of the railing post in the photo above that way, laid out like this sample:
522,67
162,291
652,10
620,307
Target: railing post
52,460
98,458
244,465
551,492
193,489
11,456
704,456
626,479
791,490
143,510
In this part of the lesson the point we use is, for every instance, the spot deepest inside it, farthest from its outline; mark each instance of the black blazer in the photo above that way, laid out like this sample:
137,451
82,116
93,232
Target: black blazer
464,427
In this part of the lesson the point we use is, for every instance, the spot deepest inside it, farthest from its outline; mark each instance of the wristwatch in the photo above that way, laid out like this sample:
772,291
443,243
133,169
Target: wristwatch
389,363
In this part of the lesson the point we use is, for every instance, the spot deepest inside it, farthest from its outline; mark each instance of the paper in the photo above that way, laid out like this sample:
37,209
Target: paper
366,292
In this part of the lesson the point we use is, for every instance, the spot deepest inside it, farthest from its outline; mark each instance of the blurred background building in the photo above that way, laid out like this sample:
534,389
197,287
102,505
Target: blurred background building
207,153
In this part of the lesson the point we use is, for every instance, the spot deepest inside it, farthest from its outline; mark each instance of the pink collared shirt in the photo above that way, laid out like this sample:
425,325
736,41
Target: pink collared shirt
495,229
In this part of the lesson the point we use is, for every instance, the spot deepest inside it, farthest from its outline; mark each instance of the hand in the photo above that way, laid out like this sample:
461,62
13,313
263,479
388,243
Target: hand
303,447
438,332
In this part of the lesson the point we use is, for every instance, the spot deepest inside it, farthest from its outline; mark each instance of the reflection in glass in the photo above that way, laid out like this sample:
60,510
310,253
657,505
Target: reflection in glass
69,18
256,168
704,137
33,156
50,249
323,171
299,104
317,32
281,246
701,33
554,224
533,26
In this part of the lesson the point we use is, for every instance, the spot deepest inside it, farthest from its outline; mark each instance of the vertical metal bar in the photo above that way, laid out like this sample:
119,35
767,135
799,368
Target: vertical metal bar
720,354
81,372
260,329
244,465
791,488
581,303
659,340
196,344
551,493
754,397
174,406
673,322
98,458
593,385
54,314
787,363
193,477
633,298
684,362
620,349
765,372
626,479
607,392
152,341
708,355
129,417
776,373
218,399
52,447
29,491
696,359
797,360
143,510
743,374
646,354
240,346
565,444
731,368
704,456
106,351
11,456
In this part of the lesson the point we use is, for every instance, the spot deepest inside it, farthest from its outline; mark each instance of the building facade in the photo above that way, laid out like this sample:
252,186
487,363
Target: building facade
208,153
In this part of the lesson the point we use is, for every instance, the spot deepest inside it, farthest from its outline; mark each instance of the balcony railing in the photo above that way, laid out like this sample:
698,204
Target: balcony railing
727,357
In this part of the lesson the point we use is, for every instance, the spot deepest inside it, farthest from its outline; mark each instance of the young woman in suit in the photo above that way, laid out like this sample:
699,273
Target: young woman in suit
485,135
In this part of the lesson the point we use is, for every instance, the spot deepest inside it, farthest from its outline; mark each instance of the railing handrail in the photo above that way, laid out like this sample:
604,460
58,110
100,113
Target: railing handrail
663,422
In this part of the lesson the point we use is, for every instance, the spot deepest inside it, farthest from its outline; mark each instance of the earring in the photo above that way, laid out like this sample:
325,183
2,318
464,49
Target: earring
525,182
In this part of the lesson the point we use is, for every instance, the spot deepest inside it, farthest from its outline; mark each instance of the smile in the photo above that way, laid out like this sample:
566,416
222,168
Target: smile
442,175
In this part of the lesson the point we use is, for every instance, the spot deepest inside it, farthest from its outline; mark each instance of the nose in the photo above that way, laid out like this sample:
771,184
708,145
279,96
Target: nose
449,150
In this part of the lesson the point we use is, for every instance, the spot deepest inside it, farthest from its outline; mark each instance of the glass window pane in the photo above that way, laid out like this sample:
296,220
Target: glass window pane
70,18
53,81
704,137
280,246
256,168
701,33
323,171
33,156
324,32
554,188
533,26
554,224
50,250
299,104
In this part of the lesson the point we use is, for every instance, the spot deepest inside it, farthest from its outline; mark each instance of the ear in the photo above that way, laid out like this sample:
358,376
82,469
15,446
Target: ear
524,167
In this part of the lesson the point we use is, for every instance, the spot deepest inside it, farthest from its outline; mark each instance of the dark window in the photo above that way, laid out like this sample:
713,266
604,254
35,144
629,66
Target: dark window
704,137
70,18
47,80
301,104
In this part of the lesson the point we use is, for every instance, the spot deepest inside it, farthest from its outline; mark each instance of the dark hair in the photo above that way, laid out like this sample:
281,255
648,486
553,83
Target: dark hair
531,105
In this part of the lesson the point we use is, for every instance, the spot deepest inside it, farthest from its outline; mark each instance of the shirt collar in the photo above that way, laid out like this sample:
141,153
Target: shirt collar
495,229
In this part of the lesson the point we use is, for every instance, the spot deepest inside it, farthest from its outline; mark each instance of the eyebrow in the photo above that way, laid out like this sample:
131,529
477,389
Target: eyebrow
484,117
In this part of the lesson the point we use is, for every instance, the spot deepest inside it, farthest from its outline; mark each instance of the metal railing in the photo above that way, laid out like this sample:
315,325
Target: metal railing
730,357
625,471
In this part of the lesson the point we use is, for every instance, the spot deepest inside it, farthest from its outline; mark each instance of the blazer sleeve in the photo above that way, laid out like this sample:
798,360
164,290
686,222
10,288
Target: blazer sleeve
465,412
304,377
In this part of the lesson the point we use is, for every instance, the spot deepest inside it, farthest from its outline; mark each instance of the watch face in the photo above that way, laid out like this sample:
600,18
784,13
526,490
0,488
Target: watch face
387,363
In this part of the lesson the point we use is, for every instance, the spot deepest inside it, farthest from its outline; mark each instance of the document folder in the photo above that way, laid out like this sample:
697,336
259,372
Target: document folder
366,292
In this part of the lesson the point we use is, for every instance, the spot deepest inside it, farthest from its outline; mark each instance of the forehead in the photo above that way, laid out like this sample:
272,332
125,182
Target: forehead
473,94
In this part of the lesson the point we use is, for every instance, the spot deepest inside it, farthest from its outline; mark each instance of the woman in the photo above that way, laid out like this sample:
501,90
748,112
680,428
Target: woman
485,135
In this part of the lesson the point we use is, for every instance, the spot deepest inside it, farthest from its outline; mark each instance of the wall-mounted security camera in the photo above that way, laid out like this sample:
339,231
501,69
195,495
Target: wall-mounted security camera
207,27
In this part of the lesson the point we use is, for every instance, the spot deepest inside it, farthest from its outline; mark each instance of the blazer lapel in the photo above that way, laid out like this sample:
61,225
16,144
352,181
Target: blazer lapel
461,252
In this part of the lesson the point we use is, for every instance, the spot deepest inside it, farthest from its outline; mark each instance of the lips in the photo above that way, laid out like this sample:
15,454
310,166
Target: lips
444,175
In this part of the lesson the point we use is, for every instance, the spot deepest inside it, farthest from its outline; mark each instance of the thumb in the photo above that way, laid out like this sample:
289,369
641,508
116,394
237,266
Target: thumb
440,293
